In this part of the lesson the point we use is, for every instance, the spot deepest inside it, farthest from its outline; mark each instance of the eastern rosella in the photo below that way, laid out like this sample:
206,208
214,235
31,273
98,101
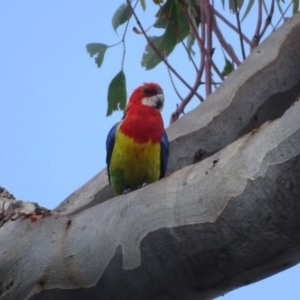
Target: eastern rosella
137,147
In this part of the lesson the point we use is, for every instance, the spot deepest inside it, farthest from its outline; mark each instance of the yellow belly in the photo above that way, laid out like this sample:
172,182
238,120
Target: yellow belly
133,164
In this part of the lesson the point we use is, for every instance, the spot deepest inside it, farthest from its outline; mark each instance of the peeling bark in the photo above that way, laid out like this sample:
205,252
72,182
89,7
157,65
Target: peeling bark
227,214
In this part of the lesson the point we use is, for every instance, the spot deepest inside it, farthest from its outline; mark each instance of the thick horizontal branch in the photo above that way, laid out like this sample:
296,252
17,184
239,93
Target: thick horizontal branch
224,222
261,89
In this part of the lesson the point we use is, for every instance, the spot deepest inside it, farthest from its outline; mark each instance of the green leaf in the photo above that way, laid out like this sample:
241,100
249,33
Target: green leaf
97,49
163,15
122,15
164,44
161,22
232,7
170,17
117,93
143,4
295,6
181,24
249,6
190,42
150,59
228,68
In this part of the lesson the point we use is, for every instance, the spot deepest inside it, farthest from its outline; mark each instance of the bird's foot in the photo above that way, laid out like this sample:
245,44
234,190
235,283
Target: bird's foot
142,185
126,191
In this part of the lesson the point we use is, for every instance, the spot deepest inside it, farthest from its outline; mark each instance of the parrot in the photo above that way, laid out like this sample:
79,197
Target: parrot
137,147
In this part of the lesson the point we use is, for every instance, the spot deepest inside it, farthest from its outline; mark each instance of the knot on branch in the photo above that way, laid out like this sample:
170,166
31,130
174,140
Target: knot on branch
12,209
5,193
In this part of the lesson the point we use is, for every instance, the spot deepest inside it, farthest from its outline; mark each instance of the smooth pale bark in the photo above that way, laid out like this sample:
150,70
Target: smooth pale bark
227,214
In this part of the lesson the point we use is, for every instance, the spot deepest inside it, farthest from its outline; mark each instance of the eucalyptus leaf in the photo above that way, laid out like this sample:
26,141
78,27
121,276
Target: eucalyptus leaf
170,17
122,15
228,68
160,22
182,26
295,6
235,4
143,4
164,44
97,49
190,42
163,15
117,93
249,6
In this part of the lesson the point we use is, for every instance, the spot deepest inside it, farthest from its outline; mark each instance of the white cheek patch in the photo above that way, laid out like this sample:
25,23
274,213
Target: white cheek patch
150,101
156,101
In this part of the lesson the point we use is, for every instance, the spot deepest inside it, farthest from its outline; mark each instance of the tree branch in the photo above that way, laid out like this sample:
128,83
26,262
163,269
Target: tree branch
225,45
238,21
207,21
229,220
221,17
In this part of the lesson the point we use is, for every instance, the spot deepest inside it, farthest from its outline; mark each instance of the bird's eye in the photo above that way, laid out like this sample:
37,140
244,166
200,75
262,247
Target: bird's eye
149,91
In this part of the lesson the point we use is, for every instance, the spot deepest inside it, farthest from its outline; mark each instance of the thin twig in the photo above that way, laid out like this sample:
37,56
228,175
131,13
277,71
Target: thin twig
180,108
207,21
225,45
268,19
198,38
238,21
224,20
174,86
123,40
266,11
215,68
282,15
255,39
280,10
189,55
203,52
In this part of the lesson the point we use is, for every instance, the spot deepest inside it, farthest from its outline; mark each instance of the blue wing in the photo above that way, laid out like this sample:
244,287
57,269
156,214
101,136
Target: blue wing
110,142
164,151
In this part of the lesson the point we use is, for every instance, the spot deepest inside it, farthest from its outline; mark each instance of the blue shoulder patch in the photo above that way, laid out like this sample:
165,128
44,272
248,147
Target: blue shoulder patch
164,151
110,142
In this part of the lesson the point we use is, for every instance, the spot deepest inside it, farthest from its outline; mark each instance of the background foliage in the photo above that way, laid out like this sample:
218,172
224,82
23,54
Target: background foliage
201,30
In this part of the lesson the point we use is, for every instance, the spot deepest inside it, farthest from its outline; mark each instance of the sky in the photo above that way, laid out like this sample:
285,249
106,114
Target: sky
53,103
